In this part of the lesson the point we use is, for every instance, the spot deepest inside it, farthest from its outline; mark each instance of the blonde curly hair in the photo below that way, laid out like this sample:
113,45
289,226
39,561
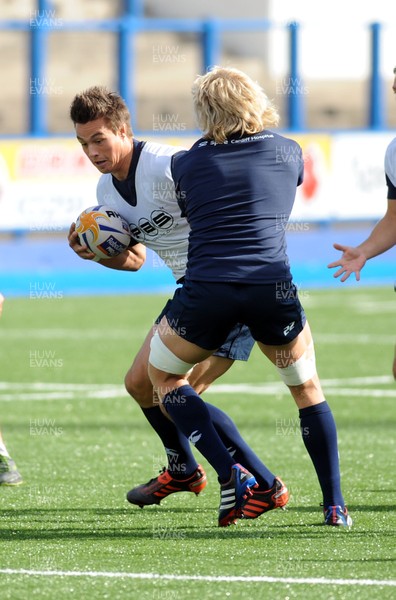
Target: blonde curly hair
227,101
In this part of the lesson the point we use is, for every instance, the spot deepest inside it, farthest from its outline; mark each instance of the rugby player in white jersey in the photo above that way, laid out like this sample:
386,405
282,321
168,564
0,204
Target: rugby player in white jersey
136,180
382,237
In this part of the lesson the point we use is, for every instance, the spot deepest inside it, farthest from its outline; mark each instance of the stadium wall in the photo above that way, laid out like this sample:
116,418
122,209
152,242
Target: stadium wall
45,183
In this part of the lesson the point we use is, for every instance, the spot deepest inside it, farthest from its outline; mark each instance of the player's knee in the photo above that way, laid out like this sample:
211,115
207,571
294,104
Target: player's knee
207,371
197,381
200,387
300,372
139,388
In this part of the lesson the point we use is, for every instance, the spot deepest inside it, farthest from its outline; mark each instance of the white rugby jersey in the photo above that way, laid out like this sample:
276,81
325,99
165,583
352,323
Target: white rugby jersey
390,162
155,221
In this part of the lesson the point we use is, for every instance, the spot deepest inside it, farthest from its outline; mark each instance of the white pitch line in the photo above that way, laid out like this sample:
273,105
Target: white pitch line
274,390
42,386
116,392
278,387
39,385
354,338
360,392
246,390
211,578
67,334
359,380
368,307
60,396
36,391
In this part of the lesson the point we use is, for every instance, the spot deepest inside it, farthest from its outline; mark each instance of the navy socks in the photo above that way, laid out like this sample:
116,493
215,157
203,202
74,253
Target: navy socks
238,448
181,461
192,417
319,434
218,439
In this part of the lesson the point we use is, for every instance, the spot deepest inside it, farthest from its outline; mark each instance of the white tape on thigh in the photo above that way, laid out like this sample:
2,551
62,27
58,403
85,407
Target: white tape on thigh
300,371
163,359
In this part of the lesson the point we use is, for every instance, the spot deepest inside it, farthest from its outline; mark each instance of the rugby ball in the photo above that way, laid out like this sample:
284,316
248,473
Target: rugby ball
103,230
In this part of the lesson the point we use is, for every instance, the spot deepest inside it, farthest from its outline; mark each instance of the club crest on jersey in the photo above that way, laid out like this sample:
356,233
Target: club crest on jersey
159,221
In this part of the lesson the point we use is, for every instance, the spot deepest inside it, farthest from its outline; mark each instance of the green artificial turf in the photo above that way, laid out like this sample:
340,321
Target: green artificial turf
81,443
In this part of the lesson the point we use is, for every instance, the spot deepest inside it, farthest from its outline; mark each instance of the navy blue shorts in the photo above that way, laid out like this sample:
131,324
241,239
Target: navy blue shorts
238,344
205,312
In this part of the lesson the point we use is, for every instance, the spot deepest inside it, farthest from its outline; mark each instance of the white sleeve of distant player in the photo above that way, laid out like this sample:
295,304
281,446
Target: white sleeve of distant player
390,161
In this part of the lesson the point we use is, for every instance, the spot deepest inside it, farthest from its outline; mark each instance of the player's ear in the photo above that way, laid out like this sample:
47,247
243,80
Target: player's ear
123,130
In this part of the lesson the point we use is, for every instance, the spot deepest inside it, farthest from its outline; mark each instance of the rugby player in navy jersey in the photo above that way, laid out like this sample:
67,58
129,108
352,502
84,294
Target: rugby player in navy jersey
382,237
136,179
236,186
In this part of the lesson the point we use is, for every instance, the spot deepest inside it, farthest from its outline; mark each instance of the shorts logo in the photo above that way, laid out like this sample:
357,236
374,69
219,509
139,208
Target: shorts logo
159,221
289,328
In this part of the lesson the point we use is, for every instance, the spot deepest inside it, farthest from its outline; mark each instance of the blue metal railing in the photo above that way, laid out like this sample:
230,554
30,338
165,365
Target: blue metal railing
295,108
377,113
43,22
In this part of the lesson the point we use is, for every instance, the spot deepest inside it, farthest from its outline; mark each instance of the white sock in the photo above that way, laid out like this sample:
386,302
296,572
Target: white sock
3,450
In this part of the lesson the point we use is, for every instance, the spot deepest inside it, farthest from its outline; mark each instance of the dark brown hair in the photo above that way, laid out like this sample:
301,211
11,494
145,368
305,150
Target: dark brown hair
98,102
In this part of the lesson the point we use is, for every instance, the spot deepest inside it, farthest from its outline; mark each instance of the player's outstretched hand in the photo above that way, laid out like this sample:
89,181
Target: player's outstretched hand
351,261
75,245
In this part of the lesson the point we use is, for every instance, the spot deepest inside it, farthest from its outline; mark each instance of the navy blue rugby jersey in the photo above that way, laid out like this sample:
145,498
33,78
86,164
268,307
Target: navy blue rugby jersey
237,197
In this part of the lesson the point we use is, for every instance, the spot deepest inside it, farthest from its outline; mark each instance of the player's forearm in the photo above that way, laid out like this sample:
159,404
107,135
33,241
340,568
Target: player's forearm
129,260
381,239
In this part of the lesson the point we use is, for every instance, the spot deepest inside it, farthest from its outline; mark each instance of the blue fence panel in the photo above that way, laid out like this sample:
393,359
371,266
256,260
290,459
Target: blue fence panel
209,32
295,108
377,112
